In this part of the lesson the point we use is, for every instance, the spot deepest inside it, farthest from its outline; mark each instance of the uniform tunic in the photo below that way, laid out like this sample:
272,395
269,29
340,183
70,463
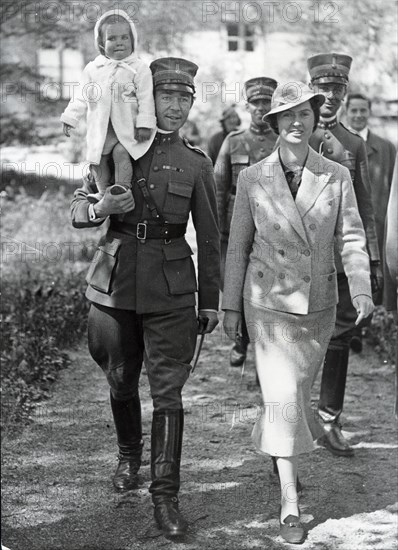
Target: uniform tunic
143,291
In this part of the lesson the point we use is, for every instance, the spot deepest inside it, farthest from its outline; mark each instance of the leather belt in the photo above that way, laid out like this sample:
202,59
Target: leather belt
144,231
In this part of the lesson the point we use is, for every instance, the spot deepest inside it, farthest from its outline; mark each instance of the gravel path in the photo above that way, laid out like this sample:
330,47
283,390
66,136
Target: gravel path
57,490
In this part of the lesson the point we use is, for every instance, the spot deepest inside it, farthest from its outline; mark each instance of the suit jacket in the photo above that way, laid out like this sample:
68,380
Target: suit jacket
337,143
381,159
391,246
239,150
156,275
281,251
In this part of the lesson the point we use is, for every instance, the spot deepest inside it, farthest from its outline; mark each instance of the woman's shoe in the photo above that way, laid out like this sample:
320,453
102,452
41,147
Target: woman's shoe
291,529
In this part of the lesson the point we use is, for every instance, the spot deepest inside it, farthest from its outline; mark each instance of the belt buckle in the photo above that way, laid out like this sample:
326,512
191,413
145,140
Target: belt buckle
141,231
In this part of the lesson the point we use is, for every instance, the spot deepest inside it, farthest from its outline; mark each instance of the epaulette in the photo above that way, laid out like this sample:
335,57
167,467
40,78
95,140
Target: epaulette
353,132
193,147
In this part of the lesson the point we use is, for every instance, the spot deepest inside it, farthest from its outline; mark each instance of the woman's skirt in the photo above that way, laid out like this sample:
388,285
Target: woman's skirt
289,351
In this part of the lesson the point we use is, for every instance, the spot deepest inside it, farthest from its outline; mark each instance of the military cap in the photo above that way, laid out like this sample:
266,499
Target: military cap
329,67
174,73
259,88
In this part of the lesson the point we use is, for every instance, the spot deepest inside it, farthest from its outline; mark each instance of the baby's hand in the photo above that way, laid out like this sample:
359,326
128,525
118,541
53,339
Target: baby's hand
67,127
142,134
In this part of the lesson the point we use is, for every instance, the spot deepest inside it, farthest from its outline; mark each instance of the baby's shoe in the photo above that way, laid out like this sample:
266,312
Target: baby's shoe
93,198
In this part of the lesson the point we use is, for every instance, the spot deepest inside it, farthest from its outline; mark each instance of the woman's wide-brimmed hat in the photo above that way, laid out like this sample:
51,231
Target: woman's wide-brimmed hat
291,94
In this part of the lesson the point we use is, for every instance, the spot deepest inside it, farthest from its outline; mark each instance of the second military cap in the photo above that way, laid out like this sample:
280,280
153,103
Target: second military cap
174,73
261,87
329,67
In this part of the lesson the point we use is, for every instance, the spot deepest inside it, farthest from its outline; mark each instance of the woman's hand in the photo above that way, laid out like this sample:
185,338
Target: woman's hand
232,323
364,306
114,204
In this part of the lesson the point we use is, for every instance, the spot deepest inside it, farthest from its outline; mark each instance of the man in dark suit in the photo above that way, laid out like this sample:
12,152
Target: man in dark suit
381,159
240,150
329,75
142,287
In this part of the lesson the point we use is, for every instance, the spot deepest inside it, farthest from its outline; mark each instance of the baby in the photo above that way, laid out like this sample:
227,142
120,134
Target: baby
117,93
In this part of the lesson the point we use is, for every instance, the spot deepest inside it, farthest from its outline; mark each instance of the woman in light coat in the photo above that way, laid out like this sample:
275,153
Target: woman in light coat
292,209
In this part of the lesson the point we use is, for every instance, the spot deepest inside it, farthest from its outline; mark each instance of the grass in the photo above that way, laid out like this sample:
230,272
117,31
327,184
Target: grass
44,311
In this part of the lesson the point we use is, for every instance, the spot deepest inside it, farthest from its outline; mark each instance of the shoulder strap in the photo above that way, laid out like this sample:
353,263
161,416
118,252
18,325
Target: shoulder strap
149,201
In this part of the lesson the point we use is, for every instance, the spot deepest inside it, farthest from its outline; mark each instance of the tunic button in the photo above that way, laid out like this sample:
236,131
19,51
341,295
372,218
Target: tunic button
330,278
261,138
312,226
260,274
151,186
307,279
159,151
327,136
281,275
277,226
330,151
262,150
156,168
281,252
307,253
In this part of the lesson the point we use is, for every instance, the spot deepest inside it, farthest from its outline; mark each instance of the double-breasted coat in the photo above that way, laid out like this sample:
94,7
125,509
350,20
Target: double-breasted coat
281,251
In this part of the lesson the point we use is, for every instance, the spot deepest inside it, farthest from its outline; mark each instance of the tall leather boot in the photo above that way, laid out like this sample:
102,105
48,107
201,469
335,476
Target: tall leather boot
239,349
127,418
331,401
166,444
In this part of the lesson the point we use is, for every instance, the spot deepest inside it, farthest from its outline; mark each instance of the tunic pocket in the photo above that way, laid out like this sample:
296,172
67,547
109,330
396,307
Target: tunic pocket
102,267
178,268
178,198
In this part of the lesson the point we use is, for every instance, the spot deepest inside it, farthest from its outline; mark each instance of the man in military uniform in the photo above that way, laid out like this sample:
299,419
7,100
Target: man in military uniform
142,287
239,150
230,122
329,75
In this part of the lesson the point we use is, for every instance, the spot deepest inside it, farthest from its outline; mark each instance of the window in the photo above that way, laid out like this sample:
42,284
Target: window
59,69
241,36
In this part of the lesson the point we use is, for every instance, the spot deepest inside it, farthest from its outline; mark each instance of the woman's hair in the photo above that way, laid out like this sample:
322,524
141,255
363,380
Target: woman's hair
109,21
273,119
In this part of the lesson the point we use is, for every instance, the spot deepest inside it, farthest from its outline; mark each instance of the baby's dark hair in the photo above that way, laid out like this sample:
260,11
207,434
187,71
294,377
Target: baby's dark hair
108,21
273,119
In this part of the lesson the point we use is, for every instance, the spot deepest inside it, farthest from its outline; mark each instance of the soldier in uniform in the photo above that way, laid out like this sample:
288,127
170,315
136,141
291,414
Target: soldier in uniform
240,150
142,286
329,75
230,122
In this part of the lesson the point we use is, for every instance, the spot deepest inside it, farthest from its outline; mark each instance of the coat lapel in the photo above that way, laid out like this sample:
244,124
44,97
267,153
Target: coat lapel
371,146
276,186
314,179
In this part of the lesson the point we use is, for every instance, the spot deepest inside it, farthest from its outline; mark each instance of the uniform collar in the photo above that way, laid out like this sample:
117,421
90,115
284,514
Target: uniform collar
168,137
259,131
328,123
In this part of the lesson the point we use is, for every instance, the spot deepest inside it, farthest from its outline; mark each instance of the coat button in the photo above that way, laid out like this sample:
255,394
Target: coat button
330,151
307,253
156,168
281,252
327,136
312,226
262,150
281,275
159,152
151,186
277,226
261,138
307,279
330,278
260,274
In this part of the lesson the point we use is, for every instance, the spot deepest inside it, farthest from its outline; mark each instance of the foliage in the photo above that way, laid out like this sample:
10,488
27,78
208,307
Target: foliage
43,307
382,335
